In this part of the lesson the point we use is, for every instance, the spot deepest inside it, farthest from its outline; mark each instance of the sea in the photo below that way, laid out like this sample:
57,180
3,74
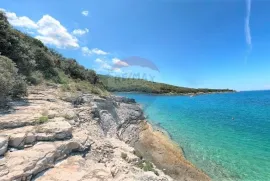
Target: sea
225,135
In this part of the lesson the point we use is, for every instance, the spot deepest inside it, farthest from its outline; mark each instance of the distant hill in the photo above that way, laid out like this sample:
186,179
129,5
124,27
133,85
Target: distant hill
118,84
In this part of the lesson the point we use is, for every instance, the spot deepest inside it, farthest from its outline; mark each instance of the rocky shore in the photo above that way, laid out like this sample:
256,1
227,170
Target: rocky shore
63,136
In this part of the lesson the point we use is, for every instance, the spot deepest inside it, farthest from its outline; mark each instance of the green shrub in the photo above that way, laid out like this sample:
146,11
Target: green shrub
146,166
42,119
11,84
36,78
20,87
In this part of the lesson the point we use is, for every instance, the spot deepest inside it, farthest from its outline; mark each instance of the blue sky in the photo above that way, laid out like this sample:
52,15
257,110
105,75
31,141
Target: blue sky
203,43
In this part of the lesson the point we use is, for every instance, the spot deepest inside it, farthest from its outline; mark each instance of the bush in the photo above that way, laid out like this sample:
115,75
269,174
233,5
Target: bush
11,85
19,88
36,78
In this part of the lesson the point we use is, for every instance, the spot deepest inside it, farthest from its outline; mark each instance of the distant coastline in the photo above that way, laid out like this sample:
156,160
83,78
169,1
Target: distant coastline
119,84
173,94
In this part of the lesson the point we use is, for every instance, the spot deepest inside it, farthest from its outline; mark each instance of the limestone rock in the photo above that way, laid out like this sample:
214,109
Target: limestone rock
20,136
69,114
52,114
3,144
23,164
55,130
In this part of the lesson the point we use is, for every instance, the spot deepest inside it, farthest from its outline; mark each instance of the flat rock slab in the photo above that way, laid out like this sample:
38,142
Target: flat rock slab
23,164
28,135
55,130
11,121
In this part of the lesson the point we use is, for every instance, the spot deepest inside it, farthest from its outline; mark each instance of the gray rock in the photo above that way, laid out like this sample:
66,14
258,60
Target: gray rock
123,99
3,144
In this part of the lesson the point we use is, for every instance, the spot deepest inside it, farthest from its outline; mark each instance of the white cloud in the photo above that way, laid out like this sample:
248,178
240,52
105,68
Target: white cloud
96,51
52,32
247,26
117,70
118,62
80,32
98,60
49,30
85,13
22,21
105,66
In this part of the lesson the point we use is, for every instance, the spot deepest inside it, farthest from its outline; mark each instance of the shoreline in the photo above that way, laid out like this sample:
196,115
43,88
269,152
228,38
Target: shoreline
168,156
174,94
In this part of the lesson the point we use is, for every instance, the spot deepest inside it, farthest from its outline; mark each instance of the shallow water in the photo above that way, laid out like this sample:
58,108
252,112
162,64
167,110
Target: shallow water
225,135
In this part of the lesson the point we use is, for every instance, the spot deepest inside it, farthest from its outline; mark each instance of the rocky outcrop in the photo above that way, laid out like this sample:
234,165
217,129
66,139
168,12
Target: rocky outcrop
118,118
70,138
77,137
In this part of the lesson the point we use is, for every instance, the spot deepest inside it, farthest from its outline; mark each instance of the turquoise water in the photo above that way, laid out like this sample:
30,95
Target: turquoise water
225,135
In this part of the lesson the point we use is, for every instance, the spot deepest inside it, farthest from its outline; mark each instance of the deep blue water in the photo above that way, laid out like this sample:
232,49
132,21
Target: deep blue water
225,135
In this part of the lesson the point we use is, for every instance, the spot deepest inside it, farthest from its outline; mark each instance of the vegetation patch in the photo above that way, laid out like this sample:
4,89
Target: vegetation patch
11,84
144,164
119,84
38,63
42,120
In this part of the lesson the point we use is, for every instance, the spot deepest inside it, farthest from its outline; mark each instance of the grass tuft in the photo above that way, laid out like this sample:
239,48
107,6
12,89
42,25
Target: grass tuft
42,119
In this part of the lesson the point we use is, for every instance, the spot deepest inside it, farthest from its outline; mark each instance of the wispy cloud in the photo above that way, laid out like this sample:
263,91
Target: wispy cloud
247,24
85,13
96,51
118,62
105,66
80,32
